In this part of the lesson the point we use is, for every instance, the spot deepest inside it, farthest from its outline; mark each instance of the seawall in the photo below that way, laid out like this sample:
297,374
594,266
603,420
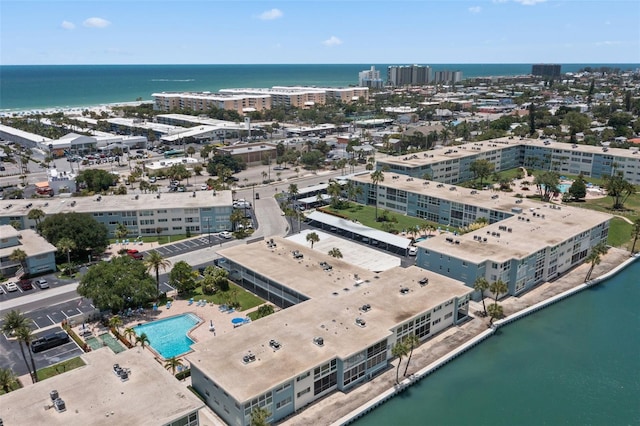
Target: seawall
426,371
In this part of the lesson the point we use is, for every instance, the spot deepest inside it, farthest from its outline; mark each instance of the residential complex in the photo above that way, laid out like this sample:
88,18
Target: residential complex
40,254
527,241
338,329
143,214
94,395
417,75
246,100
370,78
546,70
452,164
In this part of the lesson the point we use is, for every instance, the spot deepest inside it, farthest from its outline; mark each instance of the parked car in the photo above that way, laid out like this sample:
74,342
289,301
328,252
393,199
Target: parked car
11,286
49,341
226,235
135,254
25,284
42,283
204,187
413,251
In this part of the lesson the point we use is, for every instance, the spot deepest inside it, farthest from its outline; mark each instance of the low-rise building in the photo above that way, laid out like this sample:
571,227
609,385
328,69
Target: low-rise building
94,395
40,255
337,332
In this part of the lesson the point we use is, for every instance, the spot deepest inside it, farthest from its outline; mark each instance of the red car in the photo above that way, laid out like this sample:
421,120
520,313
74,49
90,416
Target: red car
25,284
135,254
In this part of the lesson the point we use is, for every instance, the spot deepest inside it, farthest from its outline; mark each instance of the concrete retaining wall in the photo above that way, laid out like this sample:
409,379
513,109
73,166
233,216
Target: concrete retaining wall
414,378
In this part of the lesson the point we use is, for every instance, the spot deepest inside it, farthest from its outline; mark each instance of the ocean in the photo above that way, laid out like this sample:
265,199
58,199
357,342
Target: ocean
71,86
575,363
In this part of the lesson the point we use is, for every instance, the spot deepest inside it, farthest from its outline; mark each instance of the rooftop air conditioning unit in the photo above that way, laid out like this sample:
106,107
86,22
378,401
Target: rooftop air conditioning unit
360,322
248,358
318,341
275,344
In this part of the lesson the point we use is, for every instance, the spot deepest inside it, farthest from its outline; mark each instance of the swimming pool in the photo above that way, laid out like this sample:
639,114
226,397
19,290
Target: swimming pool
168,337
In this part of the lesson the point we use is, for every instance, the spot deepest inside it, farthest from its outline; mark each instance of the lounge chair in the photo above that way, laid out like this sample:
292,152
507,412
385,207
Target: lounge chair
190,301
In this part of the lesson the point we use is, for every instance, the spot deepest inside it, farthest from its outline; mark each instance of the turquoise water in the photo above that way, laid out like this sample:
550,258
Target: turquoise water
61,86
564,187
574,363
168,336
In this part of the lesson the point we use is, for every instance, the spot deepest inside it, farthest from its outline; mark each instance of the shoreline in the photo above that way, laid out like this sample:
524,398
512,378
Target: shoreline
70,110
342,408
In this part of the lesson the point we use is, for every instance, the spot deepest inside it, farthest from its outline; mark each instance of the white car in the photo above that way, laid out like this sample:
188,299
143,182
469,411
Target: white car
413,251
204,187
12,286
226,235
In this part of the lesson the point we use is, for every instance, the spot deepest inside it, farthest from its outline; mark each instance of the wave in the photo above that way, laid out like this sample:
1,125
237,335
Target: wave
169,79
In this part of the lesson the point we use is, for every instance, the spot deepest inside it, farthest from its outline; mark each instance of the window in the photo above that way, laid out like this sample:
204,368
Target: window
283,403
304,376
304,391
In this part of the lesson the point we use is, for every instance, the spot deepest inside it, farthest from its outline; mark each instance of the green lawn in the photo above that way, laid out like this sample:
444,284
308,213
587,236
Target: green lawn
162,239
60,368
366,215
619,233
246,299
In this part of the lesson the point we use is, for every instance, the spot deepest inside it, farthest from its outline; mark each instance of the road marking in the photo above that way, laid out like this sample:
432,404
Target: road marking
167,284
63,313
51,319
36,324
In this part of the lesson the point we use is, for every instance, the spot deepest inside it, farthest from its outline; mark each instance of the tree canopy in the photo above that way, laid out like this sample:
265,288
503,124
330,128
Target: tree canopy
481,169
117,284
182,277
619,189
86,232
233,163
95,180
547,183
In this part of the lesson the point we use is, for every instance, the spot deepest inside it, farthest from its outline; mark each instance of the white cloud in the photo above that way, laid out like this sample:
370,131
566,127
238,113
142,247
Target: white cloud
475,9
270,15
607,43
96,23
68,25
529,2
332,41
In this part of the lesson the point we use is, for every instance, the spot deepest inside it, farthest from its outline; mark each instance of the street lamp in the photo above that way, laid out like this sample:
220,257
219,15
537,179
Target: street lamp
208,219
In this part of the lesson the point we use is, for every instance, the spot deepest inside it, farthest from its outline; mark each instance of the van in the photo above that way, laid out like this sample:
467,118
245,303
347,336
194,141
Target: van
49,341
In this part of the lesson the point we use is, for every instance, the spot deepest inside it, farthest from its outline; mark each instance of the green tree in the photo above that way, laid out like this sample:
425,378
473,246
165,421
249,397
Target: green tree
66,245
25,335
129,332
259,416
313,238
481,169
178,172
376,178
190,151
495,312
578,189
594,258
154,261
221,279
121,231
182,277
412,342
20,256
8,380
36,214
265,310
497,288
635,233
481,284
143,339
115,322
547,184
334,190
619,189
399,350
13,321
117,283
335,252
95,180
86,232
172,364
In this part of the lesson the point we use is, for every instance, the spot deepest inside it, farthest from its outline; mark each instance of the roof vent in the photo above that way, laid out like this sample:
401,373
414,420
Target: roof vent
365,308
404,290
59,405
360,322
318,341
54,395
424,281
248,358
275,344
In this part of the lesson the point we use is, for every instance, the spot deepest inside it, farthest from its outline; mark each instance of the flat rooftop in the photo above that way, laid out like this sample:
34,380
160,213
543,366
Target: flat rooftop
425,158
94,395
110,203
30,242
540,225
331,314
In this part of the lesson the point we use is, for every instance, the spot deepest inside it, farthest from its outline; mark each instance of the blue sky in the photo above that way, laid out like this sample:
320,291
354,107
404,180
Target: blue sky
318,31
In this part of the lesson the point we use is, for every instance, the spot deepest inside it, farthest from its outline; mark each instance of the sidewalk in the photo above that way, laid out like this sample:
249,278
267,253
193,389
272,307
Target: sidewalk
41,295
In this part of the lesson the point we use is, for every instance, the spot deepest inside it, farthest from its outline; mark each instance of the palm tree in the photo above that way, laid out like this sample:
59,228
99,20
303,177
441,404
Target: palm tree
495,312
399,350
376,178
143,339
154,261
334,190
312,237
121,231
7,380
66,245
24,335
497,288
481,284
19,255
335,252
292,190
594,257
635,233
36,214
115,322
129,332
11,322
172,364
411,341
259,416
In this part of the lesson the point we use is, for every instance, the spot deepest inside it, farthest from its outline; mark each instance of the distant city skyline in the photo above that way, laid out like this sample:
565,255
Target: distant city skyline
313,31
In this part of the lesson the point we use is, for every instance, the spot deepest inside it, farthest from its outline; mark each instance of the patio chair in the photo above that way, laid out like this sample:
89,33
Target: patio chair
190,301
